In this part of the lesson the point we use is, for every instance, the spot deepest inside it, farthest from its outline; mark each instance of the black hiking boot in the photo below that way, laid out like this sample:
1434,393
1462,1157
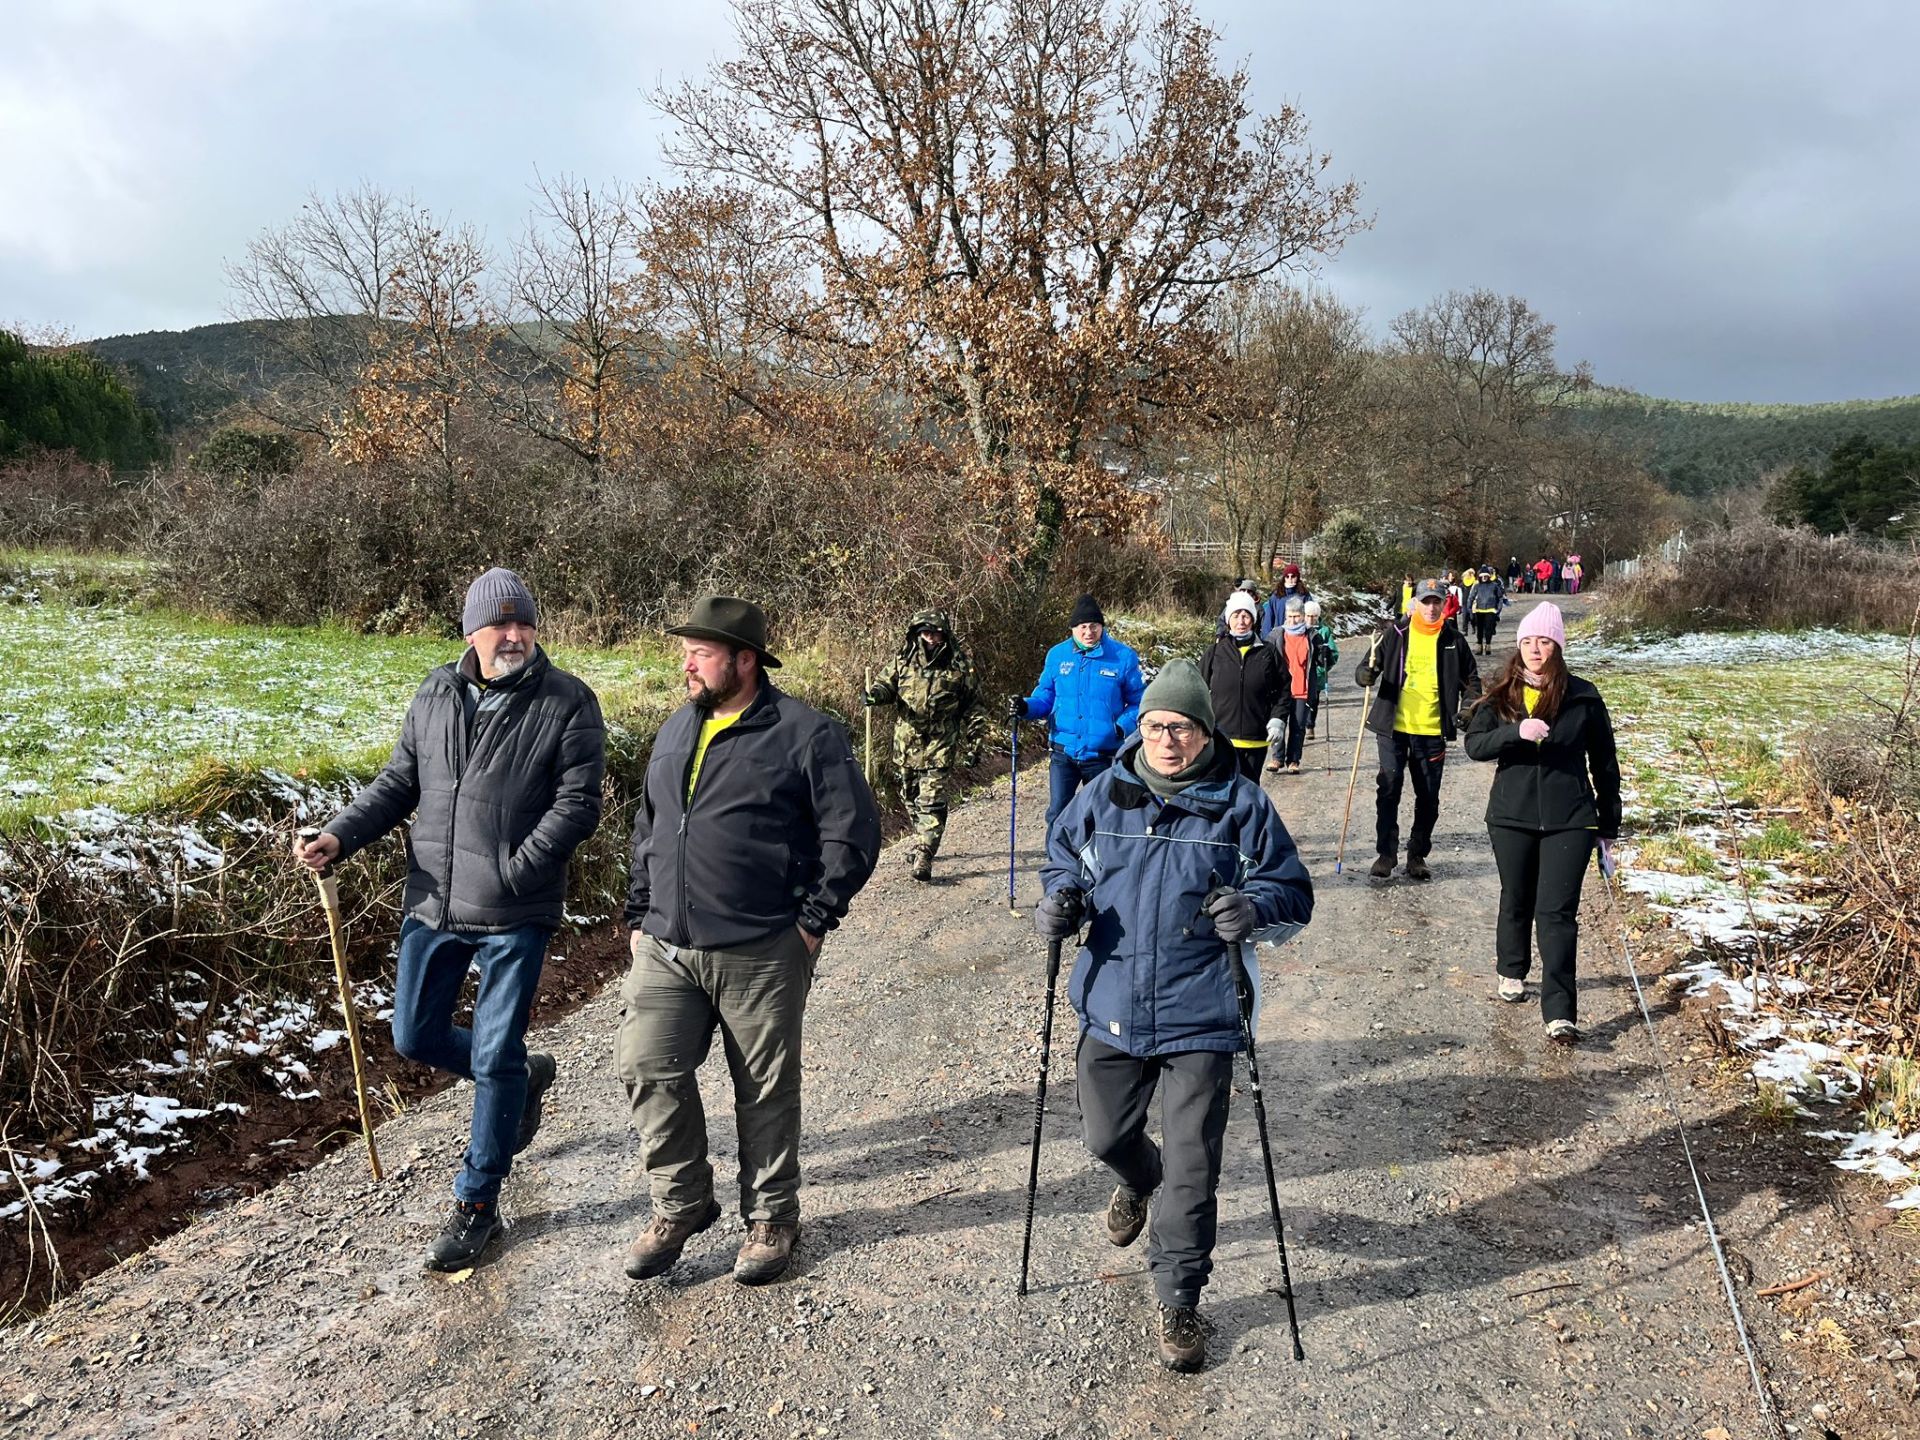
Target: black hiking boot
1382,867
655,1248
1417,869
469,1229
1183,1339
540,1072
1126,1216
922,866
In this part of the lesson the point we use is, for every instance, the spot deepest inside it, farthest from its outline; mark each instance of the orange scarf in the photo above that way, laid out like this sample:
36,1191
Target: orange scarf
1424,628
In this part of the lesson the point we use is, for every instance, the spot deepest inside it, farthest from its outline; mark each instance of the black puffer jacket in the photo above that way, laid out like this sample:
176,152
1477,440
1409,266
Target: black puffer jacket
1247,692
782,829
496,813
1544,784
1386,665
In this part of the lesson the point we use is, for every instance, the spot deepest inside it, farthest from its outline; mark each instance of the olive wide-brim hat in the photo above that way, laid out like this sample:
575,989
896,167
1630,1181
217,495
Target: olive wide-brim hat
731,621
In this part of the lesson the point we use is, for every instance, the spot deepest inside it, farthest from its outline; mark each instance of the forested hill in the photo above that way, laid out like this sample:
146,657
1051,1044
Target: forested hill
190,376
1700,449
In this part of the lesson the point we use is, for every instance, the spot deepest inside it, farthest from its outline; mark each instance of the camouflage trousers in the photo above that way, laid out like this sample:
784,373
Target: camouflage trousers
925,793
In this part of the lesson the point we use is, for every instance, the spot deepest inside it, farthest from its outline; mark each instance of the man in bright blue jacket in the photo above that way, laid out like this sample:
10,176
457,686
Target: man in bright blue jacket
1175,858
1089,692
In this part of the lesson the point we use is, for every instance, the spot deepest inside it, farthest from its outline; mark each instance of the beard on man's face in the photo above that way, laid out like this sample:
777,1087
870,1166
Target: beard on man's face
712,697
510,660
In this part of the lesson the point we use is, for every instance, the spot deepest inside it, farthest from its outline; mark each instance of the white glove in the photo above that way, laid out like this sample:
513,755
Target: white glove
1533,728
1275,730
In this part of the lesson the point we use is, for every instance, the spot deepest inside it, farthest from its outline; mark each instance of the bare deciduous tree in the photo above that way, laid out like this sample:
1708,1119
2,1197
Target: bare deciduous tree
322,280
1294,408
569,371
1479,376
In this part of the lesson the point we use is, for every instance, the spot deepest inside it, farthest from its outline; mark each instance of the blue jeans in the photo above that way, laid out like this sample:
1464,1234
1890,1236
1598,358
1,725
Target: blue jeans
493,1054
1066,775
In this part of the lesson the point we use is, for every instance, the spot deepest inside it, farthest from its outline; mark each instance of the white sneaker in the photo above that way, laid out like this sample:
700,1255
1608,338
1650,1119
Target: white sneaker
1562,1032
1512,991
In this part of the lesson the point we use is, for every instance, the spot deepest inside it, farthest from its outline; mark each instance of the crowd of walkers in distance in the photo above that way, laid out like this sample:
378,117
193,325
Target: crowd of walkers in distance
1545,576
755,830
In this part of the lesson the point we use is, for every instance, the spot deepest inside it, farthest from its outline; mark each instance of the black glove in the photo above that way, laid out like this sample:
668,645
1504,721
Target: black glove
1017,707
1232,914
873,697
1365,675
1059,914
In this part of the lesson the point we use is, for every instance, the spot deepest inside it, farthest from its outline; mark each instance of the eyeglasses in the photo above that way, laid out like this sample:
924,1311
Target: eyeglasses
1179,731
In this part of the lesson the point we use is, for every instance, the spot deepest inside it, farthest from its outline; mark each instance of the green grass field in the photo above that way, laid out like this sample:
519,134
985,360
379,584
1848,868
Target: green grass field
113,705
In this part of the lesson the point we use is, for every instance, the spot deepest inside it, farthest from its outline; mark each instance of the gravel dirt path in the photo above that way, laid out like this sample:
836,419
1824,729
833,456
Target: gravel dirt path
1489,1236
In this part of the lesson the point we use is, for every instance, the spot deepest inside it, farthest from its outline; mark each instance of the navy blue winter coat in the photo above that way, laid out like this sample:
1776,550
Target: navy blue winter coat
1092,697
1154,978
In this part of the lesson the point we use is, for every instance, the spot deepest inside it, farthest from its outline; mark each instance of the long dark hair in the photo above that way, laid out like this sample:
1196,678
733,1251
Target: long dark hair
1508,694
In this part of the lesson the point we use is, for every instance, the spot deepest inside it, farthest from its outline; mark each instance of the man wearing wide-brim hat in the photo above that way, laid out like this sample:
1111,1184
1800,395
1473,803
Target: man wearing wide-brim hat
754,831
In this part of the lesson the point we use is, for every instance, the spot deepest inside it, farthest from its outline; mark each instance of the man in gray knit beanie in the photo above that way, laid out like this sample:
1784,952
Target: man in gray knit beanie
499,763
498,597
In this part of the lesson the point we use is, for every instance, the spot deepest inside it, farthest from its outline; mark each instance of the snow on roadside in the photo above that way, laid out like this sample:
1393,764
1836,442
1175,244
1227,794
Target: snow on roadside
140,1124
1799,1041
1729,648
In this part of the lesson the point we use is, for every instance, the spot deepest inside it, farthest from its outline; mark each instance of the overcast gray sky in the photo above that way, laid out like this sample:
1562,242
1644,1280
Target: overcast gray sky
1712,199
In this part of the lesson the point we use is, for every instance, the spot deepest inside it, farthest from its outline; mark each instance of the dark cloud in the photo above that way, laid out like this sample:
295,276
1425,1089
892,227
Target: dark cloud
1711,200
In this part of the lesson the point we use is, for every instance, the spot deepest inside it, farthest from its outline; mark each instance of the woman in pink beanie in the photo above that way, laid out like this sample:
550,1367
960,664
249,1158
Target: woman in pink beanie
1555,799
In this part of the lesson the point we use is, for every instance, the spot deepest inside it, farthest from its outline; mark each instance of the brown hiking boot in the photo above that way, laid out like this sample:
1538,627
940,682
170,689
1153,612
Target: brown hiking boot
1417,868
1126,1216
766,1252
1382,867
1183,1339
655,1248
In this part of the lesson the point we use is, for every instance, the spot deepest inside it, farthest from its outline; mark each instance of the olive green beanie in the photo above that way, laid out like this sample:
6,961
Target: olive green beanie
1181,688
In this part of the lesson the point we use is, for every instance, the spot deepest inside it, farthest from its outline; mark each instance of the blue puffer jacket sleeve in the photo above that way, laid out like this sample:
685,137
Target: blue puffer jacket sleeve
1154,977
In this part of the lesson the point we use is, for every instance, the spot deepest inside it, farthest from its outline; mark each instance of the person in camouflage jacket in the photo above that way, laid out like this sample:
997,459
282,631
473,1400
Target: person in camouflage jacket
942,724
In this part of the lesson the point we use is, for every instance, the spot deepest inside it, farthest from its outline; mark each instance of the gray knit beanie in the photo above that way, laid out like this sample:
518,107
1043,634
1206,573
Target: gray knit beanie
495,598
1181,688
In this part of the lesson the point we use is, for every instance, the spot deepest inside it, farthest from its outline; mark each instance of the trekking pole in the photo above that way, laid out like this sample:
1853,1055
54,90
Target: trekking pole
1760,1395
1244,986
1359,737
1039,1107
1013,812
329,887
868,676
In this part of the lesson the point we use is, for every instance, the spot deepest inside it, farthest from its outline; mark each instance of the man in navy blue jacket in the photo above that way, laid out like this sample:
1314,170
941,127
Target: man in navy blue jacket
1089,691
1175,858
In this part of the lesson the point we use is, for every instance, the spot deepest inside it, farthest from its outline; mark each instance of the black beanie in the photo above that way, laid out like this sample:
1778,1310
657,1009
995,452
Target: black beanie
1086,611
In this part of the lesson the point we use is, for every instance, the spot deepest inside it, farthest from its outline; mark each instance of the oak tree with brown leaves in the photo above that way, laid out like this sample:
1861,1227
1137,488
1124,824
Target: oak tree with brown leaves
1020,213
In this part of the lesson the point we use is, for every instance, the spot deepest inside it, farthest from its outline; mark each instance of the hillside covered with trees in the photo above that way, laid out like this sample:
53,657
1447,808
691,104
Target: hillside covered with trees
1699,450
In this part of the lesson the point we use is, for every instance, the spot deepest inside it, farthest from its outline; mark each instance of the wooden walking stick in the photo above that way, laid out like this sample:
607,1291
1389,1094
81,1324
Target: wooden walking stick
329,887
1359,737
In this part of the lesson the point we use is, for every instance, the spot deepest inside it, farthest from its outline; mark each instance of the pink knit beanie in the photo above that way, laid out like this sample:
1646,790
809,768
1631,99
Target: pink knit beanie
1544,619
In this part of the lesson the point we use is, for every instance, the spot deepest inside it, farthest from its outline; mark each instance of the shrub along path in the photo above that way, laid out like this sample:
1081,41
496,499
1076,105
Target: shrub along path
1489,1236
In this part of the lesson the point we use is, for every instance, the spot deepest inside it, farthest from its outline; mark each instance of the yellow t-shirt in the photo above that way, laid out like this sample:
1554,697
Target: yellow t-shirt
1418,712
709,728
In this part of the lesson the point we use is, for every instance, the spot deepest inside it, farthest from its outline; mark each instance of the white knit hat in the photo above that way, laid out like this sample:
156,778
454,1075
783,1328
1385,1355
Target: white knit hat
1239,600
